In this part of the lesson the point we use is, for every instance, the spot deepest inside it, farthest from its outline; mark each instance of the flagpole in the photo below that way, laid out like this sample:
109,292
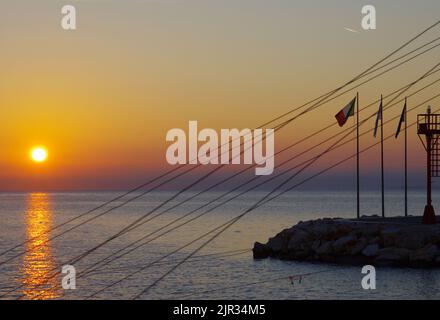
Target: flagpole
381,157
406,165
357,154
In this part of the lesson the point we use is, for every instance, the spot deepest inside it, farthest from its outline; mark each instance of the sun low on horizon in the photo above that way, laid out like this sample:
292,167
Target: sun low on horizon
38,154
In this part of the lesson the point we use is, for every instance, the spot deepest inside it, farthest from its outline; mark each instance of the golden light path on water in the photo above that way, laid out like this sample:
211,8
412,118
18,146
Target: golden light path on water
38,260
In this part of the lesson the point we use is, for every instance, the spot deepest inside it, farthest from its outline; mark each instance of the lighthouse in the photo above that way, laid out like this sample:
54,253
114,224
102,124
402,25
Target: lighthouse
428,125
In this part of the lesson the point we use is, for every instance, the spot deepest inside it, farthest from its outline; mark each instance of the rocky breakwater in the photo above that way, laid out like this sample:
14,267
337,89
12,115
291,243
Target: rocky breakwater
390,242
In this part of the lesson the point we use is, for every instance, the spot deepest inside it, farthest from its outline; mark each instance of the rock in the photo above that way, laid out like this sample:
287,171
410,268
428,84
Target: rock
340,230
392,241
275,244
340,245
415,237
374,240
260,251
358,246
424,255
370,231
324,229
393,254
371,250
289,231
389,236
325,248
315,245
298,241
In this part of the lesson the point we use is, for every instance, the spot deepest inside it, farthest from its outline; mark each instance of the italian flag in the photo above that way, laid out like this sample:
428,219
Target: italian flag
346,112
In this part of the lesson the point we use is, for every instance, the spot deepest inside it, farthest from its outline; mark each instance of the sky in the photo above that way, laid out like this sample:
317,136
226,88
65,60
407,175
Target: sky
102,98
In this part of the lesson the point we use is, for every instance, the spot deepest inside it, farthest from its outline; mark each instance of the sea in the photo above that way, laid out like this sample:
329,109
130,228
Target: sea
55,246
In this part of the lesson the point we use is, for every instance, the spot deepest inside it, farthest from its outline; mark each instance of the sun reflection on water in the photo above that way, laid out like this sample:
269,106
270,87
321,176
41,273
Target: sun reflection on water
38,262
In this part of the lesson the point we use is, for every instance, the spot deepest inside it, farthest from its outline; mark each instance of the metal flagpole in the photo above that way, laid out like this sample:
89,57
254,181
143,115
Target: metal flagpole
406,164
357,154
381,155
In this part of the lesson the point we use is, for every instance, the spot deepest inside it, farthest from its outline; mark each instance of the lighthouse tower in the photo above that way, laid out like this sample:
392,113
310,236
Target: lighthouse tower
428,125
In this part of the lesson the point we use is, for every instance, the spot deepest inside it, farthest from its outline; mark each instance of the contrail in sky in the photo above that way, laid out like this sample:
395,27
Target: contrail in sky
351,30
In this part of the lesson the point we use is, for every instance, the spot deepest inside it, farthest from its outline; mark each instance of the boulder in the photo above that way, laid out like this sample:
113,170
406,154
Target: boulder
340,230
325,248
289,231
358,246
389,236
371,250
275,244
260,251
424,255
341,245
374,240
389,242
315,245
299,240
393,254
415,237
370,230
321,230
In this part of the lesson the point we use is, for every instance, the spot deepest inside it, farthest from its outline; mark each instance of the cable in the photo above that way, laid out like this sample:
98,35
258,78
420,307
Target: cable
410,109
224,254
277,128
414,38
132,225
233,221
239,286
352,88
238,187
88,212
263,200
290,120
368,71
89,220
362,134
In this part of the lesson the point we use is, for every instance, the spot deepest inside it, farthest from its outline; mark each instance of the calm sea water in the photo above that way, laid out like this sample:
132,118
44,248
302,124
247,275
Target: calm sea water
214,273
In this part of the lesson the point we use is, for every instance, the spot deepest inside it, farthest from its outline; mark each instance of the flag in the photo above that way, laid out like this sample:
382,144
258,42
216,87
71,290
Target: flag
345,113
378,117
402,120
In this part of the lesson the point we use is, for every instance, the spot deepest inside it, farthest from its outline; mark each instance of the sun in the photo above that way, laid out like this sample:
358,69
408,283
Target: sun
39,154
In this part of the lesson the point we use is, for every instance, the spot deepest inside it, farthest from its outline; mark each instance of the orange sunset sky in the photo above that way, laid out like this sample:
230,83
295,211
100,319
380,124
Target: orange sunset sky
101,98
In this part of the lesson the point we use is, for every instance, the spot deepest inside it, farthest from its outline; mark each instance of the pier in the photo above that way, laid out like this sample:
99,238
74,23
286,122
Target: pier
399,241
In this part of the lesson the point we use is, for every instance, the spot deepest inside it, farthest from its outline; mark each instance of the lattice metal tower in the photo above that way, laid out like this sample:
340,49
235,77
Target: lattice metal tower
428,125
